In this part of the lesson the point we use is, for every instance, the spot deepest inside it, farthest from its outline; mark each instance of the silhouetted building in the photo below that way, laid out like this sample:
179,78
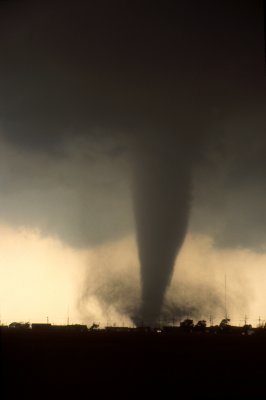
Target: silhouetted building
172,330
41,327
77,328
59,328
19,325
143,329
4,328
118,329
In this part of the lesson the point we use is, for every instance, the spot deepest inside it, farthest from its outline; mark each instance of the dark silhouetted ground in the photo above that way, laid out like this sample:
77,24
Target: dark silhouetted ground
129,365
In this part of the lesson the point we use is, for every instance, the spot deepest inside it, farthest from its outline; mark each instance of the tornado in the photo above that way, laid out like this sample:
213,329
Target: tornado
161,205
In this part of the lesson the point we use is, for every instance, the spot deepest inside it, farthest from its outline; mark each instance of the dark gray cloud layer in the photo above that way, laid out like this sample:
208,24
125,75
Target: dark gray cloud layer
229,188
93,93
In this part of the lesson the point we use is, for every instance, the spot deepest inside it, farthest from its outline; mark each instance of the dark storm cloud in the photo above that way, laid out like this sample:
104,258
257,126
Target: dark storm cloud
80,195
93,92
67,67
229,188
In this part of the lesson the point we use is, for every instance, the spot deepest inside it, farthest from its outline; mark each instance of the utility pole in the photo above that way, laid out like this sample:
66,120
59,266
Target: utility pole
160,323
225,297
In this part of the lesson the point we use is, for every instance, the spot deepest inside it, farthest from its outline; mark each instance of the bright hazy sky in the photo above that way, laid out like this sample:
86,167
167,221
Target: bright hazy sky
41,277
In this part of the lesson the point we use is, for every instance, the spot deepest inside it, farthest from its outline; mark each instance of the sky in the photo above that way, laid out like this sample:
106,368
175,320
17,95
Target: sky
132,160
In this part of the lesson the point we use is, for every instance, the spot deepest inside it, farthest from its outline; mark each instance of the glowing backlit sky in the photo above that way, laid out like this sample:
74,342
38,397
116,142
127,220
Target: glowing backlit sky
41,277
38,277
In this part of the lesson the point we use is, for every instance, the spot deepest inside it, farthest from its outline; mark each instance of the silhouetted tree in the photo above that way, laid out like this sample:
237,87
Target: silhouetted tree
224,325
187,325
200,326
94,326
247,329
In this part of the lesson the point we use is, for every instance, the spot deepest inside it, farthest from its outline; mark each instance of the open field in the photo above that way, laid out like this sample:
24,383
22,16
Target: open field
127,365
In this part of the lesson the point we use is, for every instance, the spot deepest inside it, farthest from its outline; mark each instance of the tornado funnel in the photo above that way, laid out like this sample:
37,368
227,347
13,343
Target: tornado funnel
161,203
